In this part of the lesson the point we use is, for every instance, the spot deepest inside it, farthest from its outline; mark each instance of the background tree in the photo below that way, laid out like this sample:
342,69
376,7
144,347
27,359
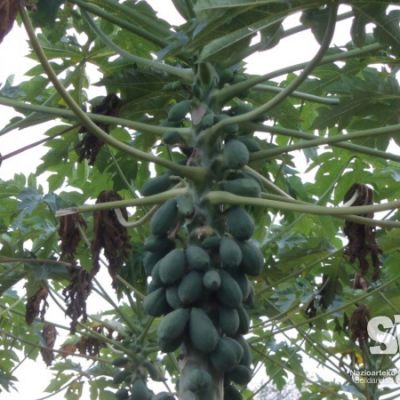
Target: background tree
231,261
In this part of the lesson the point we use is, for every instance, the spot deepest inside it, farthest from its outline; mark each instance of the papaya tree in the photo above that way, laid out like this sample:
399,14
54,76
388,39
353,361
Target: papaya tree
233,211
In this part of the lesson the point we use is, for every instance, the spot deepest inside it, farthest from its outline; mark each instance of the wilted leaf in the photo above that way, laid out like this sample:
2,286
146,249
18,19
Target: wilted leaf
8,12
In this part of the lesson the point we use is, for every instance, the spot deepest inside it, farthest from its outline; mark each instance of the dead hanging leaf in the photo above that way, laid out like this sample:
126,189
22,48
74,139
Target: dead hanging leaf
362,242
70,235
90,145
91,346
49,335
110,235
36,305
76,294
358,324
8,13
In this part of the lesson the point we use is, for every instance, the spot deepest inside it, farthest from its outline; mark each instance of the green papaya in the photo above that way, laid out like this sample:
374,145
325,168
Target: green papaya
231,393
172,138
179,110
197,258
150,259
120,361
251,143
235,154
246,358
230,254
211,242
139,390
244,320
225,356
253,259
155,303
229,293
160,244
163,396
250,300
239,223
239,374
172,266
198,381
122,394
168,346
164,219
171,294
185,204
228,320
230,129
121,376
208,120
236,348
151,287
190,289
172,326
243,283
155,373
203,334
212,280
155,276
156,185
242,187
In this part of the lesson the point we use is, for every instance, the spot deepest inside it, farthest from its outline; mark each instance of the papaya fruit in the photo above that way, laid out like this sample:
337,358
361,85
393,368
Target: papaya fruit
190,289
122,394
235,154
139,390
251,143
253,259
242,187
159,244
171,294
155,303
229,293
228,320
155,276
230,129
168,346
211,243
225,355
179,110
185,204
239,223
208,120
232,393
151,287
172,266
212,280
120,361
197,258
172,326
156,185
230,254
203,334
150,259
246,358
244,321
163,396
155,373
240,374
198,381
172,138
164,219
250,300
121,376
243,282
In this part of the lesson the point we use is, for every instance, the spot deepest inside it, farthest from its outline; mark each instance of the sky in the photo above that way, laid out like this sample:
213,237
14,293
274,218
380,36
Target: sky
33,376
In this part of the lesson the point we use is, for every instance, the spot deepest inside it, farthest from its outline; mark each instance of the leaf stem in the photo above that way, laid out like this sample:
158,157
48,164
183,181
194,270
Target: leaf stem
143,201
194,173
310,136
324,140
184,74
218,197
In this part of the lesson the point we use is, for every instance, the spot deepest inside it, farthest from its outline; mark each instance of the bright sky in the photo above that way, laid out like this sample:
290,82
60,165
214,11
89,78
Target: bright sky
33,377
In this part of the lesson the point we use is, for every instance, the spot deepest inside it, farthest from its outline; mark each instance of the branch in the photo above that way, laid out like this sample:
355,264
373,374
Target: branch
300,95
218,197
122,23
18,260
310,136
229,92
194,173
248,116
64,113
322,141
143,201
184,74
